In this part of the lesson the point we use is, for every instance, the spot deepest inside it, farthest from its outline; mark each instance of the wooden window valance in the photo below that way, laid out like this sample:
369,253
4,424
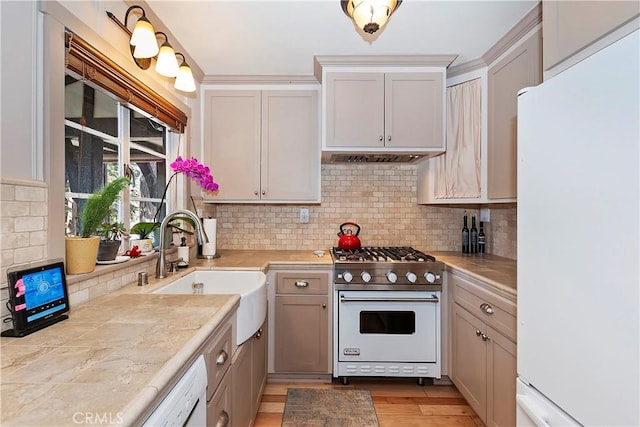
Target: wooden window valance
95,66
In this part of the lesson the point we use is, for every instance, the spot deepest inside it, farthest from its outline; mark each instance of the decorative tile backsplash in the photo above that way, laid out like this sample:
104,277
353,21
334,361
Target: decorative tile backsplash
379,198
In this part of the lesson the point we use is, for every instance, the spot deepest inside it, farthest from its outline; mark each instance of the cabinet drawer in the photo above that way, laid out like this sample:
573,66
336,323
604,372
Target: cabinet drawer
217,356
219,407
302,283
493,310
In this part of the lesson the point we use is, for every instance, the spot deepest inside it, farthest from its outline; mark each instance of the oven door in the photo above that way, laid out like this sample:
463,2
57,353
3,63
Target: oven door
388,326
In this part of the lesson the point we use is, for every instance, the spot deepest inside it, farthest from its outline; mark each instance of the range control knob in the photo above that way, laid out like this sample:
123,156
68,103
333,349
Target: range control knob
411,277
347,276
430,277
392,277
366,277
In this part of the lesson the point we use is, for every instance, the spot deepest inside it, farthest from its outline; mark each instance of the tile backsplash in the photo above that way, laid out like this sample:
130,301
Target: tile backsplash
379,198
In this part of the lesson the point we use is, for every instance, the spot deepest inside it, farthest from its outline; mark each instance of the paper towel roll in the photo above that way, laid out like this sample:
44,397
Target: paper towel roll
209,249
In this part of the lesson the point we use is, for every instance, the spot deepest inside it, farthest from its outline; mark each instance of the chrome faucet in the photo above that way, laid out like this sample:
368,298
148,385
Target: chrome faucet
161,271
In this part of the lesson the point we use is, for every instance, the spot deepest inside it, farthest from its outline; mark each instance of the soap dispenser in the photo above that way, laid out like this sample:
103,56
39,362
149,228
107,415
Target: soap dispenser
183,252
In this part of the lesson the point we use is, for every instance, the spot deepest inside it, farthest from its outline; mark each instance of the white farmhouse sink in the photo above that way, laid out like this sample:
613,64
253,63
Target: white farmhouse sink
250,285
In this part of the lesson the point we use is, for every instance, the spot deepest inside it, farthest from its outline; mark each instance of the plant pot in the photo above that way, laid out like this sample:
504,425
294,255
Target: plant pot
108,249
81,254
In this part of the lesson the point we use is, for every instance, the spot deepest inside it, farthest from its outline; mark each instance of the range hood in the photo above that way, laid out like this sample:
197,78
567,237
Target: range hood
328,157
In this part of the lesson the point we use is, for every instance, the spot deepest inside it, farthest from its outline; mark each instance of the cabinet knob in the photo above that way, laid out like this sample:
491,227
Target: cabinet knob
301,284
485,337
478,333
264,192
486,308
324,305
255,192
223,419
380,138
222,358
389,138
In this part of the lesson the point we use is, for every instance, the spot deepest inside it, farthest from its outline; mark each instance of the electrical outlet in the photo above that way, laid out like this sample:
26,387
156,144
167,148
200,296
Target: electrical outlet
304,215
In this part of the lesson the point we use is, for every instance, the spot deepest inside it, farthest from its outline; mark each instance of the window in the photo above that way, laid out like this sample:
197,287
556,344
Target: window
104,139
115,125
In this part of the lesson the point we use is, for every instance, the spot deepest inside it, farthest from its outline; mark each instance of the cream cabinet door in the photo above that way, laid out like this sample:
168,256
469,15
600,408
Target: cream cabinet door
232,142
354,109
521,68
290,151
414,104
501,380
301,335
570,26
469,359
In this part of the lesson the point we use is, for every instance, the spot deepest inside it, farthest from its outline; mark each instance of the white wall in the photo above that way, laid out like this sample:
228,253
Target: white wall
21,154
32,87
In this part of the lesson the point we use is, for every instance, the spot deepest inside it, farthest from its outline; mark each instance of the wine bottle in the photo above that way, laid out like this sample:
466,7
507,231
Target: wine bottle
465,237
481,238
473,236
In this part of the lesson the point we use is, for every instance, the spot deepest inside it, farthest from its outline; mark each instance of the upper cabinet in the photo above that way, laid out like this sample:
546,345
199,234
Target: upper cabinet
519,69
385,110
382,104
479,165
574,30
263,145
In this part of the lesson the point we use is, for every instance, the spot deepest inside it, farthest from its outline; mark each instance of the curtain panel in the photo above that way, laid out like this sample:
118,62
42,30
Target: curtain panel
458,170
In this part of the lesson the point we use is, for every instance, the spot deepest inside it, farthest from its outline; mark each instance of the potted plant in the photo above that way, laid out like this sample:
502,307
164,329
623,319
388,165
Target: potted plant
81,251
144,230
110,240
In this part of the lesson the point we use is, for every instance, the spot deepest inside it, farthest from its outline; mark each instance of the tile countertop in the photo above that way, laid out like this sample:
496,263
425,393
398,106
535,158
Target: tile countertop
497,272
109,361
113,357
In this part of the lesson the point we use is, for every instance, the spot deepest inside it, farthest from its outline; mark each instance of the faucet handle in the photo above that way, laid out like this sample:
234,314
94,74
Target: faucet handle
173,265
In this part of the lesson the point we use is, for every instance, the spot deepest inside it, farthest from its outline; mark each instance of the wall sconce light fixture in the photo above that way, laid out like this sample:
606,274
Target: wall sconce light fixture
167,63
184,79
369,15
144,47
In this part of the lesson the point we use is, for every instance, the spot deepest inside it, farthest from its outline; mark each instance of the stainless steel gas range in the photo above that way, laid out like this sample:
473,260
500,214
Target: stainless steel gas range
386,313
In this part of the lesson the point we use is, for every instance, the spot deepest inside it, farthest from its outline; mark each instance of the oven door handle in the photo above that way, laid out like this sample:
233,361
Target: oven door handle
388,299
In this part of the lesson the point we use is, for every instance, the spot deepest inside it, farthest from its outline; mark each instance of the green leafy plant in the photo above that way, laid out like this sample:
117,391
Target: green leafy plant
112,230
96,209
145,229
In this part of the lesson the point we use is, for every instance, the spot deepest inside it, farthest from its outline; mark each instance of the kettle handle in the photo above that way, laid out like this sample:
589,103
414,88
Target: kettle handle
349,223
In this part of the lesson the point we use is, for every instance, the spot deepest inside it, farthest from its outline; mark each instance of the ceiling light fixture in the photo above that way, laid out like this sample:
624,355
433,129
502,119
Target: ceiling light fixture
184,79
370,15
166,63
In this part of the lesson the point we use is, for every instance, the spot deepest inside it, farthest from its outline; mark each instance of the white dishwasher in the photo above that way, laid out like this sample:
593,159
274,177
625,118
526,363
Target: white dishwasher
186,403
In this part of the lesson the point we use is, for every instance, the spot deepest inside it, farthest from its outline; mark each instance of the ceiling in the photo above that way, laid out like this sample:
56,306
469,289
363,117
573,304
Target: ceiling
267,37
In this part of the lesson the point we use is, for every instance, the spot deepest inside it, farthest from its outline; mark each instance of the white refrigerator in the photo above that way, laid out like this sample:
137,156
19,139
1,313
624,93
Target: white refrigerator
578,243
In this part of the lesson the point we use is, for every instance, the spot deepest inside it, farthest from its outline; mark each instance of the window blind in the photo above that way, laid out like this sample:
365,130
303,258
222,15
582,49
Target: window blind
93,65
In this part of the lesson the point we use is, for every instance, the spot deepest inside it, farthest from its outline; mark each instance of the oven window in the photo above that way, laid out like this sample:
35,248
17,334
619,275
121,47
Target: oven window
388,322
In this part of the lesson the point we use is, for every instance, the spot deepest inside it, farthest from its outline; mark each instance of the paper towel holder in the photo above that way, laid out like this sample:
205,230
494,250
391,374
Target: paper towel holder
200,256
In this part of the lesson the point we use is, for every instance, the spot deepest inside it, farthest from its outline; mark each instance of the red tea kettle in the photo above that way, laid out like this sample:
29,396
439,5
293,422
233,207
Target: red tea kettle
349,241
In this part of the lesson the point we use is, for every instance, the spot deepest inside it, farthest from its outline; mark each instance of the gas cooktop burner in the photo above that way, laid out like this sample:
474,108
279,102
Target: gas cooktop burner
381,254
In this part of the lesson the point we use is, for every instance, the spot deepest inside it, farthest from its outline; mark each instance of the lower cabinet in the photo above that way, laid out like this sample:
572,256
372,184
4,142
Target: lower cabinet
301,338
249,373
217,355
219,407
483,357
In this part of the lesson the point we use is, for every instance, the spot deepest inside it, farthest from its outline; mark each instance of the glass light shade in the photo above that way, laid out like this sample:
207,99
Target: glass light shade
371,15
167,63
144,39
184,79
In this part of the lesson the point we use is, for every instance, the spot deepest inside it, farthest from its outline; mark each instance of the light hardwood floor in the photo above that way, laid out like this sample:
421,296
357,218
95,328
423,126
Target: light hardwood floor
398,402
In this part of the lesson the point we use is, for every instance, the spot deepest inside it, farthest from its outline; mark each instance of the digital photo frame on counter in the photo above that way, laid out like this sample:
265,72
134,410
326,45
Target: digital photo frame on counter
38,297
